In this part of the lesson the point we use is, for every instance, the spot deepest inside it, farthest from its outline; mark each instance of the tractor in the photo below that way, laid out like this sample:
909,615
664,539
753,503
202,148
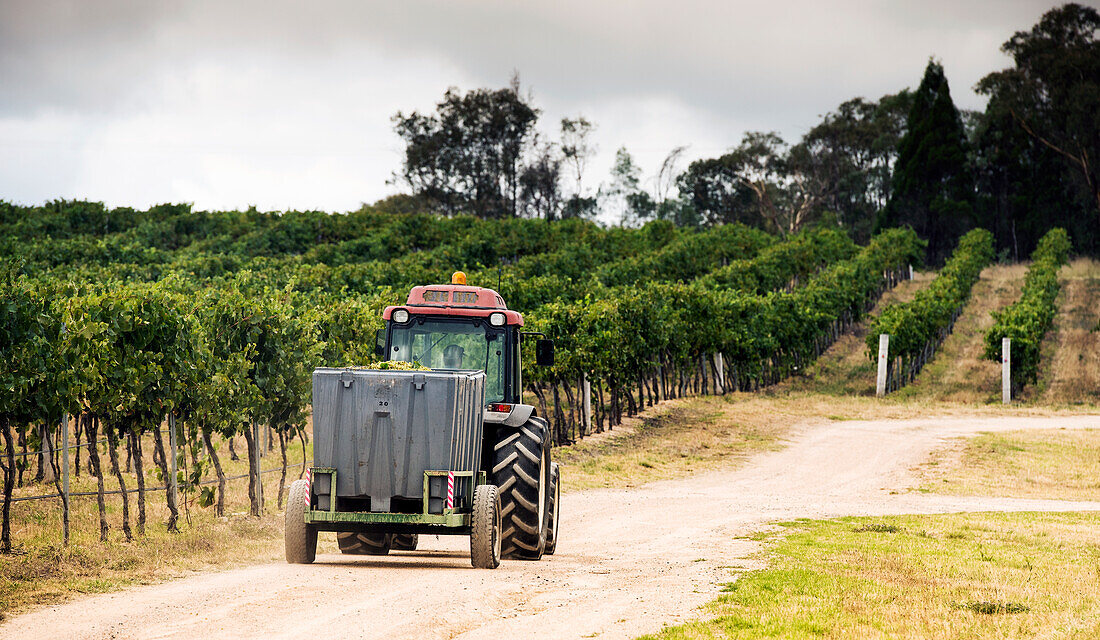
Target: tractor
435,439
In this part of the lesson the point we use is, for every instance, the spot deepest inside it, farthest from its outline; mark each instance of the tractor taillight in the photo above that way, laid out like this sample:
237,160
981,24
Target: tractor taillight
500,407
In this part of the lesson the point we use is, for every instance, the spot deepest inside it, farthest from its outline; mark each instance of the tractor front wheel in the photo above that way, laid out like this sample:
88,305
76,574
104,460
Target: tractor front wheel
365,544
299,538
485,528
404,542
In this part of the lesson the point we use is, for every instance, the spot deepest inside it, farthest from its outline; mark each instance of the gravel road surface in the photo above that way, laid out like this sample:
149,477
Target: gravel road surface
629,561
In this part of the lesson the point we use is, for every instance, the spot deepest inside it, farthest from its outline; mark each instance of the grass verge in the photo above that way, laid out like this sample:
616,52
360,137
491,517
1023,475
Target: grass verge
43,572
1062,464
671,440
978,575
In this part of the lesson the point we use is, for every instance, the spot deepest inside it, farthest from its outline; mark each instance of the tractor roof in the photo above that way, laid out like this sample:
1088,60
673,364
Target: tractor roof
455,300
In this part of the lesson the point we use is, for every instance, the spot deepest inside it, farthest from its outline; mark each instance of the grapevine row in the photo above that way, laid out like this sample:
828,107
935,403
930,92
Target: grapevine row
1027,320
918,327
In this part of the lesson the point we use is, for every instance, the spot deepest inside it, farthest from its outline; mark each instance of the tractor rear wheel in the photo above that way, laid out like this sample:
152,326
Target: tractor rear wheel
552,510
485,528
404,542
365,544
299,538
521,471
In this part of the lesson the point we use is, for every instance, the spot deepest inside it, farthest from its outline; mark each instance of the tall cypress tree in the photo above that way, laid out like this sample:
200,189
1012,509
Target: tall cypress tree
931,189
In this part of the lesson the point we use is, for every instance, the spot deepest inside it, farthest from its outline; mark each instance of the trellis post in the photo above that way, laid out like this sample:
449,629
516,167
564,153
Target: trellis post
883,360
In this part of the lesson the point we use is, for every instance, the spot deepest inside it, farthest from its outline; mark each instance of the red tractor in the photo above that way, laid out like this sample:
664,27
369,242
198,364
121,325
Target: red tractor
446,448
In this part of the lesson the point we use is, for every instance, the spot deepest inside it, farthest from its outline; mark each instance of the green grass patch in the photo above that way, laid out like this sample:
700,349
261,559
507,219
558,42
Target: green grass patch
984,575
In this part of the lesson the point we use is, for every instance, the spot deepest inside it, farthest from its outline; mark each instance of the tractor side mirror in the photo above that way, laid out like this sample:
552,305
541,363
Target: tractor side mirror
380,342
544,353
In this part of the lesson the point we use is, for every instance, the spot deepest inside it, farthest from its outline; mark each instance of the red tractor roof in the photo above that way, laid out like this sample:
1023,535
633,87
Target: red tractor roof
455,300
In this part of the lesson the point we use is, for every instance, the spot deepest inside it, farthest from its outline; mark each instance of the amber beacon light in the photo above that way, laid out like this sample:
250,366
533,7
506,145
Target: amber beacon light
458,277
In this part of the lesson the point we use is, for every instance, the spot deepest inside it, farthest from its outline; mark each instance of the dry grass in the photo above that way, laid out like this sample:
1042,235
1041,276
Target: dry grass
979,575
674,439
1062,464
1070,368
43,572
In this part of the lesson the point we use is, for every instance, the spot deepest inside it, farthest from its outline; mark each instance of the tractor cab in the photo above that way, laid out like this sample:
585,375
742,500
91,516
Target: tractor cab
460,327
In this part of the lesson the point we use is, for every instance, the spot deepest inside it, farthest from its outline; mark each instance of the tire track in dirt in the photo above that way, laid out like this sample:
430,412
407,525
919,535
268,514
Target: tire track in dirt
629,561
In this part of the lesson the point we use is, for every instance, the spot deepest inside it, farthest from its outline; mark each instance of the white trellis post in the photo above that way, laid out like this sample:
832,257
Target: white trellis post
883,359
1006,370
720,366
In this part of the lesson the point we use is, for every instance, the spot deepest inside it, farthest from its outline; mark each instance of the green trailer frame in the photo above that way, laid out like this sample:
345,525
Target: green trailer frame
448,522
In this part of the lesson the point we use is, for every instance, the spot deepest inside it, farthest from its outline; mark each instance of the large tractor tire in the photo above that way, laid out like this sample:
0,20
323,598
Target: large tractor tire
521,471
485,528
404,542
552,510
299,538
365,544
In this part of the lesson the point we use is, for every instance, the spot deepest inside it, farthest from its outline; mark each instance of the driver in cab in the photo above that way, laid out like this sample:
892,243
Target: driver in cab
452,356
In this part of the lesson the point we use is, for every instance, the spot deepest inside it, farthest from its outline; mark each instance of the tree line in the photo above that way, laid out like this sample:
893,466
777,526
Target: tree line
1026,163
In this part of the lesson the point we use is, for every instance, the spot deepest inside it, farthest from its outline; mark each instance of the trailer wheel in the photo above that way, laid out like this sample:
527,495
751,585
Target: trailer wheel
552,510
485,528
299,538
404,542
521,470
364,544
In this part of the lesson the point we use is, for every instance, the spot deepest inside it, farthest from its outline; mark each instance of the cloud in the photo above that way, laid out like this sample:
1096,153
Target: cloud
284,104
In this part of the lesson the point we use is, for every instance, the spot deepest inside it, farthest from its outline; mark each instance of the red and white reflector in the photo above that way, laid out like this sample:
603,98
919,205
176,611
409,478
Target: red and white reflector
309,486
450,489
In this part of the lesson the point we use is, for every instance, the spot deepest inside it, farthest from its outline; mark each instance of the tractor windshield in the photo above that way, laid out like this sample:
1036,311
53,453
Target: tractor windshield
451,344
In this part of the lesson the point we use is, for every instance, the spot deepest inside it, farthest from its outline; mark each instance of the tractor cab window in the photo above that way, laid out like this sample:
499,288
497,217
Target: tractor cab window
453,345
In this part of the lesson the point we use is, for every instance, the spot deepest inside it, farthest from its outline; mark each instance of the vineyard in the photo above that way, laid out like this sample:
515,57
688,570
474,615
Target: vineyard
918,327
1027,320
211,323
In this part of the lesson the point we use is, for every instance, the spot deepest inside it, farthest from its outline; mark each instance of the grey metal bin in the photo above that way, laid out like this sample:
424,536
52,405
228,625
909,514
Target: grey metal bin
382,429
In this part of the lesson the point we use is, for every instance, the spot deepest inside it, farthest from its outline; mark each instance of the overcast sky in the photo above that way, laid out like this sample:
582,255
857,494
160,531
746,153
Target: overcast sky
288,104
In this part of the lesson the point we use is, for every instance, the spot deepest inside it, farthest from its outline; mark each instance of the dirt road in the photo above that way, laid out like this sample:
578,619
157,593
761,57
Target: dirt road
629,561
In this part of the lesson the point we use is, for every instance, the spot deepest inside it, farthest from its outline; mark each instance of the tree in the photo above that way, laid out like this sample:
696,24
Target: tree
576,148
714,188
854,149
785,190
466,156
540,184
624,196
931,189
1053,94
